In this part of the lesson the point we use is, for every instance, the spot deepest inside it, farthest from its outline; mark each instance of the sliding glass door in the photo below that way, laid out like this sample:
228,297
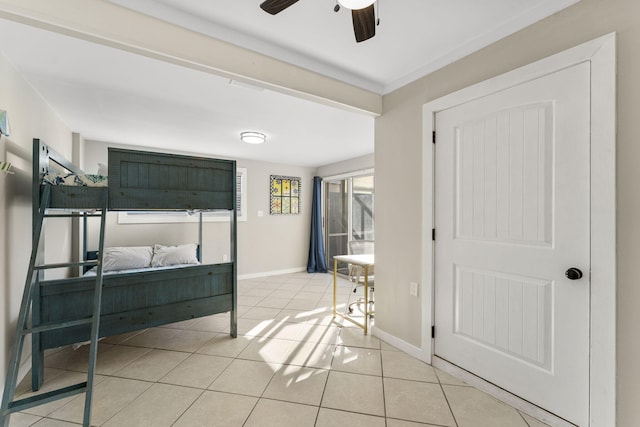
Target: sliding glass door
337,217
349,214
362,208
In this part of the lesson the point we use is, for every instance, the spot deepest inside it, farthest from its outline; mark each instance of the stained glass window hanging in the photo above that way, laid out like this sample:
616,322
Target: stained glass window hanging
285,195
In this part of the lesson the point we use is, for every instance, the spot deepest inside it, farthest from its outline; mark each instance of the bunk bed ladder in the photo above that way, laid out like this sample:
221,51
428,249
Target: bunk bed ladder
23,329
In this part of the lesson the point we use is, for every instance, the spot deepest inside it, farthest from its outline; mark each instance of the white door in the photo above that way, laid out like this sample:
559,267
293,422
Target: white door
512,216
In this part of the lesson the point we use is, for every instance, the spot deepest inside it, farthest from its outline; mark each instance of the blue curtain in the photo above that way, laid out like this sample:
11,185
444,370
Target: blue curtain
317,262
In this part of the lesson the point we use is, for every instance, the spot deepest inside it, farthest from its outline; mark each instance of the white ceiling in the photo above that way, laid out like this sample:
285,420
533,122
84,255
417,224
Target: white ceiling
414,37
111,95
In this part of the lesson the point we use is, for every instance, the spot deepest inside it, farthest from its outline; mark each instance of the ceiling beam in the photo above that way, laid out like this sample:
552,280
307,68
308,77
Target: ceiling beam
112,25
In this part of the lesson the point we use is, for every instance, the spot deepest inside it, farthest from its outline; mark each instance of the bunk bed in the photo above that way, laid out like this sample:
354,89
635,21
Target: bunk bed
137,300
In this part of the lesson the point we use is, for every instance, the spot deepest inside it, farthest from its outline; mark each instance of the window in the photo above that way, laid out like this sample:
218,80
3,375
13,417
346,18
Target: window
147,217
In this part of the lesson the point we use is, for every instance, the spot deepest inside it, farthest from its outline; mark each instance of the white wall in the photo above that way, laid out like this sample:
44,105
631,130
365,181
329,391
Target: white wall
266,244
347,166
30,118
273,243
398,152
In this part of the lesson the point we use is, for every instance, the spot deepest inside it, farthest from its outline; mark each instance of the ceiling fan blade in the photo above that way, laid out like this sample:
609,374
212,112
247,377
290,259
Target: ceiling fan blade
364,23
276,6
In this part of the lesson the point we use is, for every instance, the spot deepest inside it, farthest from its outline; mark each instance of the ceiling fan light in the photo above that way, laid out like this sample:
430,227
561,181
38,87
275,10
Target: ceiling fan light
253,137
356,4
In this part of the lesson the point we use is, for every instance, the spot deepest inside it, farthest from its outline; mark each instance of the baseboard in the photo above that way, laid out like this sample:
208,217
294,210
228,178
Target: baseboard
402,345
271,273
499,393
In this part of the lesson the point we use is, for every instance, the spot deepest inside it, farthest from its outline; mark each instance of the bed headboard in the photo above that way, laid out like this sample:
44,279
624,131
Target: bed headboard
141,180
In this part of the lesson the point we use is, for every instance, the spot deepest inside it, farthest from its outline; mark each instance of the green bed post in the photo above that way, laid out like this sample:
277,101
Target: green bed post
234,256
199,250
40,157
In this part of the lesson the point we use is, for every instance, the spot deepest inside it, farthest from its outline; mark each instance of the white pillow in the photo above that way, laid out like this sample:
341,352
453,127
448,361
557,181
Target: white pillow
103,169
171,255
125,258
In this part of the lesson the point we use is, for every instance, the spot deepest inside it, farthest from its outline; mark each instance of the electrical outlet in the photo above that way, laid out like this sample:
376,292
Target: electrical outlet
260,213
225,258
413,289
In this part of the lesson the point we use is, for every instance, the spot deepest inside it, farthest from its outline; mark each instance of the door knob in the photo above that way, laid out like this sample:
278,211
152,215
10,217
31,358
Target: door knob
573,273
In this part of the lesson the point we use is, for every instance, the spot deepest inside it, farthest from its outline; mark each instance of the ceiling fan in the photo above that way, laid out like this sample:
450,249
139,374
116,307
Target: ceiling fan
362,14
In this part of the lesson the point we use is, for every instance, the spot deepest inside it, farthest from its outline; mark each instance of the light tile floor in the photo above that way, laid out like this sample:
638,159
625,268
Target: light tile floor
291,365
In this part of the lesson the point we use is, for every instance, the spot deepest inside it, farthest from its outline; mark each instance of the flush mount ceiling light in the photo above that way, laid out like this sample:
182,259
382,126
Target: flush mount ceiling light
253,137
356,4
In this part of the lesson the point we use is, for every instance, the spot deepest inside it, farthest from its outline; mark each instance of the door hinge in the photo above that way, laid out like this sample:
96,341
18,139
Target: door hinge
433,138
433,331
433,234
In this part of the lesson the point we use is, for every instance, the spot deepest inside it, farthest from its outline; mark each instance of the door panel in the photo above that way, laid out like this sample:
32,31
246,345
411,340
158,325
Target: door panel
507,313
512,215
503,162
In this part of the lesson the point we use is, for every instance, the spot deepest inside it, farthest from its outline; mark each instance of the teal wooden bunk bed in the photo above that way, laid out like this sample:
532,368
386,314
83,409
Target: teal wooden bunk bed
137,181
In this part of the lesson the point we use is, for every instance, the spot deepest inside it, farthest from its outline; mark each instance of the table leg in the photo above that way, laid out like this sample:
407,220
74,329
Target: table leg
335,280
366,298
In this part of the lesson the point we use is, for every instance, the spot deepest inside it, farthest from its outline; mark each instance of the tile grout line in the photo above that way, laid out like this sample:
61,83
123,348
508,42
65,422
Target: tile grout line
384,396
446,398
258,397
324,389
189,406
286,363
523,418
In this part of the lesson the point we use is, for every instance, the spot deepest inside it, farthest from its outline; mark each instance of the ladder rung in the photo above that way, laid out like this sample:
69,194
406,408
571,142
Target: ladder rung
58,325
70,215
50,396
66,264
